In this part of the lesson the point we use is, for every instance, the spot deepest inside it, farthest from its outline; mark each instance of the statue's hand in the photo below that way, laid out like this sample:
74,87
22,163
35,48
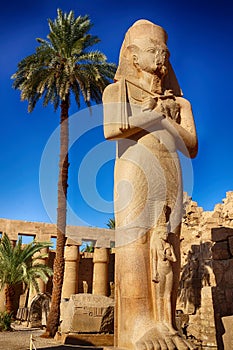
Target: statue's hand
156,278
149,104
167,252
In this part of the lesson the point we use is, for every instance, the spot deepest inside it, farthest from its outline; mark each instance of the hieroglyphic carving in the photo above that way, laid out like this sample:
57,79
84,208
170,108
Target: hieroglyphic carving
87,313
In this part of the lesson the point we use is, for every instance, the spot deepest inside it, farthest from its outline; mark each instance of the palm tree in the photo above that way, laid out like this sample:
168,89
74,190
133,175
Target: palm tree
111,223
61,66
18,264
88,248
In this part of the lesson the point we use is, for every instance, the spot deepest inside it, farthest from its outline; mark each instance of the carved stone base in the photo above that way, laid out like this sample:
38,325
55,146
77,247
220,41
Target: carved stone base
88,339
87,313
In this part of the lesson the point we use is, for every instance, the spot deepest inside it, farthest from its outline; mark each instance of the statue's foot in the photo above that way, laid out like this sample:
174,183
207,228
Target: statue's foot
161,338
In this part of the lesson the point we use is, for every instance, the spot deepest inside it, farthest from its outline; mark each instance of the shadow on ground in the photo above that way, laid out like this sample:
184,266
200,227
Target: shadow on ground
71,347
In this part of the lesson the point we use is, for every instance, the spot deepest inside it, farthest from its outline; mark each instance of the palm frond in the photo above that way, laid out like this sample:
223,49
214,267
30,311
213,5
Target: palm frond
64,63
19,263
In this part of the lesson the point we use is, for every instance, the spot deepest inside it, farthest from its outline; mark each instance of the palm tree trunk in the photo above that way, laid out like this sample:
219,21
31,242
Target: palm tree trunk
9,298
59,262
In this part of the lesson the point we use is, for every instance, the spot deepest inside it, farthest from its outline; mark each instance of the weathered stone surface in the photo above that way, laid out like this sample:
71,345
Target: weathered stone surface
230,242
88,339
201,325
100,271
44,231
220,251
223,292
221,233
72,257
228,335
198,237
87,313
38,310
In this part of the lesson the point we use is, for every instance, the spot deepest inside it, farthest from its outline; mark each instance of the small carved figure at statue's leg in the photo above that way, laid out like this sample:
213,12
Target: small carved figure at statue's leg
162,255
162,335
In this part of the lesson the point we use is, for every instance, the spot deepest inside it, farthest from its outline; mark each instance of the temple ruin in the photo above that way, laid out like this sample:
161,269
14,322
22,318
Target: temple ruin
205,300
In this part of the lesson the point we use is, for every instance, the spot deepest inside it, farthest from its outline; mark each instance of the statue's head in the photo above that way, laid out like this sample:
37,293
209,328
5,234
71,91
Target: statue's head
163,231
149,55
145,49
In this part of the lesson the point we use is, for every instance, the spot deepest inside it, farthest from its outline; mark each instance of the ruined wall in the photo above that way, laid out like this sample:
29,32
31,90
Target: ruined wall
206,284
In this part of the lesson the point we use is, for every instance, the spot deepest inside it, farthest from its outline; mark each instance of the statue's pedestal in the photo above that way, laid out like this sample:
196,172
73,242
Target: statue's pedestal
87,319
88,339
87,313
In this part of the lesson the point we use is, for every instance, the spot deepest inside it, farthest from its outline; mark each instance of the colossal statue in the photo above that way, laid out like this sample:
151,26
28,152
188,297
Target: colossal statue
145,112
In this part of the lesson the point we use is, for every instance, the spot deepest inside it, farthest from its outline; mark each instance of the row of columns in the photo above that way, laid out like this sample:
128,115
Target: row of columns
100,271
72,258
70,283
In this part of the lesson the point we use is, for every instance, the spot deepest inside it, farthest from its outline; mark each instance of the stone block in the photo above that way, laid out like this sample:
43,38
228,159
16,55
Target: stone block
228,335
212,221
87,313
221,233
216,214
220,251
88,339
230,241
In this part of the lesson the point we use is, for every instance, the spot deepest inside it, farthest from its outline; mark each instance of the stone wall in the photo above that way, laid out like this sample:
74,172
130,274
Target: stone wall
206,284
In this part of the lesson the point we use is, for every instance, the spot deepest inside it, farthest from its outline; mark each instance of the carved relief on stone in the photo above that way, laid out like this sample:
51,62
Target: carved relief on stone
162,257
39,310
87,313
112,290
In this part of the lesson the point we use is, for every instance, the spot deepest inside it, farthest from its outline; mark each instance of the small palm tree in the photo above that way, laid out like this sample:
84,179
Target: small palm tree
18,264
61,66
88,248
111,223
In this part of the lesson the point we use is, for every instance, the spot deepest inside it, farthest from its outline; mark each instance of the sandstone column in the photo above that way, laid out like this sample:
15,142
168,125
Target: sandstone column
41,283
100,271
70,285
43,261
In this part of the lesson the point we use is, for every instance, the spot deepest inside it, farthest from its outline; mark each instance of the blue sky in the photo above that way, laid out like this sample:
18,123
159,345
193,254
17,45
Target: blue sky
200,41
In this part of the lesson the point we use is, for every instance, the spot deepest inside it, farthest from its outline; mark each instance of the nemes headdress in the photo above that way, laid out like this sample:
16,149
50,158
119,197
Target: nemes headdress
144,29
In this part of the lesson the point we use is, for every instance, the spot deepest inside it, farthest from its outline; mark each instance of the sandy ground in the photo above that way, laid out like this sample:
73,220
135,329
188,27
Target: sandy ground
19,339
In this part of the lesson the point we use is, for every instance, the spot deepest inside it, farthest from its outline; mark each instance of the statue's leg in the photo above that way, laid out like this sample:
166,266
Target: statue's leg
134,306
160,298
174,238
137,205
154,273
167,303
137,325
